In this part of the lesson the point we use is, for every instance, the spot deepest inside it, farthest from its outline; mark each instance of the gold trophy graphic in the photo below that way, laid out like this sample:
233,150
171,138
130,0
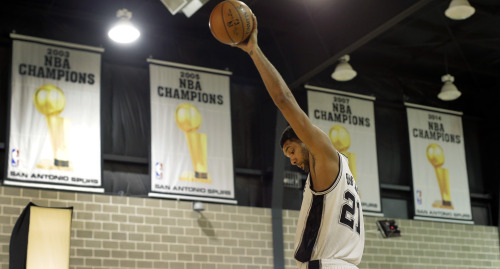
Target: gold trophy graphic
341,140
435,155
50,101
188,119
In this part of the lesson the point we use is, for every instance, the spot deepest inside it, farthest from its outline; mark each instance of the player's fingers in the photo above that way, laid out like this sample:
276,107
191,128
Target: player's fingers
254,23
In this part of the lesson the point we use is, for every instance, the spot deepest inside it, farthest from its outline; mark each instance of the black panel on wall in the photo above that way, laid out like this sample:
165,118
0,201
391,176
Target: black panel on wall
5,59
247,125
126,110
391,128
473,127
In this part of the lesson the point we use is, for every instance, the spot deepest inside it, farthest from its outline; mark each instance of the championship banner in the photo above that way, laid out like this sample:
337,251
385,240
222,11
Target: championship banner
440,183
349,120
55,133
191,148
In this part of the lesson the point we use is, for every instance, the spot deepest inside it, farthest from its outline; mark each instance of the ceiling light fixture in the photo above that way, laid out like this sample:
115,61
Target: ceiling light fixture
449,91
459,10
344,71
124,31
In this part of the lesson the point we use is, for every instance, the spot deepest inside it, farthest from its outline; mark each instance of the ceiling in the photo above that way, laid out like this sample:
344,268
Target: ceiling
400,49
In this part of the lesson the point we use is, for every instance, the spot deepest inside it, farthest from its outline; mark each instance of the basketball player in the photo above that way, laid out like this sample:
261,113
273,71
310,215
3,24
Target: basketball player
330,230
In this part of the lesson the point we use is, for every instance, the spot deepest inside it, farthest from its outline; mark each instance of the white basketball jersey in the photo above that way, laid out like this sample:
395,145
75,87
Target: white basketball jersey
330,228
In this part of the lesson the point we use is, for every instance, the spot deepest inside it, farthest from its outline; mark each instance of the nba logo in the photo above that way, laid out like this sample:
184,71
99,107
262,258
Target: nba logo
158,170
419,197
14,158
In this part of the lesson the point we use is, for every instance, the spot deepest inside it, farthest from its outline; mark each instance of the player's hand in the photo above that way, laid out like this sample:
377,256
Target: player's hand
251,42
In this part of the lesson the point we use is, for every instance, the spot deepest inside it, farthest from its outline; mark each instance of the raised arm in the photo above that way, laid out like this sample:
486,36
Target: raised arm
283,98
316,140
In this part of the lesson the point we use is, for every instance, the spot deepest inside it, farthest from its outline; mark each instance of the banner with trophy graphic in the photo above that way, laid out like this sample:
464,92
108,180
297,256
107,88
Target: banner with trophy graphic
55,134
349,120
191,148
440,183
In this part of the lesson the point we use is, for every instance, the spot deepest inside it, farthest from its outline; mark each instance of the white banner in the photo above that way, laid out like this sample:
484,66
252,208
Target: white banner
191,148
440,183
54,139
349,120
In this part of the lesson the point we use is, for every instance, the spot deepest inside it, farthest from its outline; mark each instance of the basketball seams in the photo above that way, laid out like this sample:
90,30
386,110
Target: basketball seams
225,28
241,21
216,31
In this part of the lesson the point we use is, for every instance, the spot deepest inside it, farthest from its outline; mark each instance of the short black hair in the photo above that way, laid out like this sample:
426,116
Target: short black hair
288,134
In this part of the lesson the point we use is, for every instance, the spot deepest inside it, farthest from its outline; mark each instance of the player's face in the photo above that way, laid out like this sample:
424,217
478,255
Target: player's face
298,154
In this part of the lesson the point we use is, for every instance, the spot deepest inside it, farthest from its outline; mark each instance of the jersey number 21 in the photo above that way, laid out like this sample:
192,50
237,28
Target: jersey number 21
347,208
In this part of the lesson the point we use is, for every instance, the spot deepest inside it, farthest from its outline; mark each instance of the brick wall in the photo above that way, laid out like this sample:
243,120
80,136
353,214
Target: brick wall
423,245
128,232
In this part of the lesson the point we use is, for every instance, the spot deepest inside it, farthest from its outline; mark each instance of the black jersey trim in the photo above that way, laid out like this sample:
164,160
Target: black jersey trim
310,234
335,183
315,264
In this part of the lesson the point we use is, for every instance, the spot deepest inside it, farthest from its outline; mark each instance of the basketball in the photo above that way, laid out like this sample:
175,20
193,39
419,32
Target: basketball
231,22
